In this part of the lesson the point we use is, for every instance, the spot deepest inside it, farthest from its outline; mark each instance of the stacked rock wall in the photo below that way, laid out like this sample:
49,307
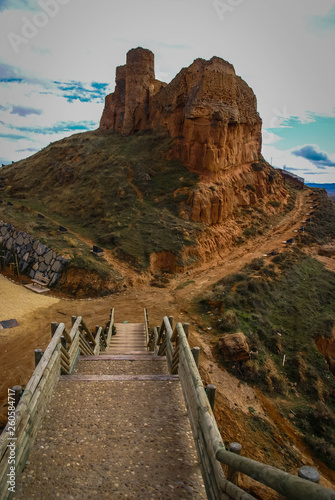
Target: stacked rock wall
32,255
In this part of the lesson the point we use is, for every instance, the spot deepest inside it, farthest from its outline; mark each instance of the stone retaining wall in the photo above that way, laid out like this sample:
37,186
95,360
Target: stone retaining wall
32,255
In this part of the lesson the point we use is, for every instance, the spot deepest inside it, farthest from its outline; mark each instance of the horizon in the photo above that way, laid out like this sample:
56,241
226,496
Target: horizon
54,86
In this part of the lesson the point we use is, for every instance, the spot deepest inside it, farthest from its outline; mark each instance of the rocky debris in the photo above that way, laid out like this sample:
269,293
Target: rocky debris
234,347
327,250
33,256
207,108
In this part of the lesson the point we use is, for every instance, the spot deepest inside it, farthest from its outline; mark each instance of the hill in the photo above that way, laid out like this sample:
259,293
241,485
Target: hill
330,188
158,196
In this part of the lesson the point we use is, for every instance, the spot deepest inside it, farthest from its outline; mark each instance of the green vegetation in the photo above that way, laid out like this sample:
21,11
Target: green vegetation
282,305
321,229
184,285
122,191
66,244
318,424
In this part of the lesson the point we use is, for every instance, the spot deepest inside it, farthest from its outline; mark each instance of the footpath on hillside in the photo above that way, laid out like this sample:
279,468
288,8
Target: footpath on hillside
117,428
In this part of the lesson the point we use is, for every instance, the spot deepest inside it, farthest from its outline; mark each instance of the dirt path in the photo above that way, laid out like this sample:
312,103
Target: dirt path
232,261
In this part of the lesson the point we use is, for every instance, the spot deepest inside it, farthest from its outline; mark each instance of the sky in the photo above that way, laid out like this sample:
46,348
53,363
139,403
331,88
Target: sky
58,60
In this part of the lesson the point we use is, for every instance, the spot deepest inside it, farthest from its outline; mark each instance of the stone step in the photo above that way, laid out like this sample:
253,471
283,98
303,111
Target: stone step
119,378
119,365
121,357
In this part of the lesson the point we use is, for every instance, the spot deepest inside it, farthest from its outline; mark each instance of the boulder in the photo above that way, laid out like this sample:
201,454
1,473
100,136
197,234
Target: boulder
234,347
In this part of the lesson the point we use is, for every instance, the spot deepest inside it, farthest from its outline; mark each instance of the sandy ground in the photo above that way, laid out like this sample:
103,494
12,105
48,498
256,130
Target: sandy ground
16,301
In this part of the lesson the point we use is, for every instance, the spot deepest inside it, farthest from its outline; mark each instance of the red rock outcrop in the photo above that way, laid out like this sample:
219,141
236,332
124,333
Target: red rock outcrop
211,112
212,116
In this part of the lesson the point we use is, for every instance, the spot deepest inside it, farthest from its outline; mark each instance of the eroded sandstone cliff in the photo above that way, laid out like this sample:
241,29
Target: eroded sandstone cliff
211,112
212,116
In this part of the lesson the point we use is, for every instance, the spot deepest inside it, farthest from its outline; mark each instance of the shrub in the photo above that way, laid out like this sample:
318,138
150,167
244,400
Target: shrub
229,321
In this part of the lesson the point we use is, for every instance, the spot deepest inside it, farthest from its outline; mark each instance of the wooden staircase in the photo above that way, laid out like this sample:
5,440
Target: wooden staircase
130,338
120,414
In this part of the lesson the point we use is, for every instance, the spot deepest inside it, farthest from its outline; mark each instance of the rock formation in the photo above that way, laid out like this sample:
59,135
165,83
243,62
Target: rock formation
209,111
234,347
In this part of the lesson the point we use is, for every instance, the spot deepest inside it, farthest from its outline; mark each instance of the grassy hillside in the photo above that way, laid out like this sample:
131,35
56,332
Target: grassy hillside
282,304
121,191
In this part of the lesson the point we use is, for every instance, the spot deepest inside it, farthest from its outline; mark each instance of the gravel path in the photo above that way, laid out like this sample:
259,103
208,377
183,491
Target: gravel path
114,440
122,368
110,440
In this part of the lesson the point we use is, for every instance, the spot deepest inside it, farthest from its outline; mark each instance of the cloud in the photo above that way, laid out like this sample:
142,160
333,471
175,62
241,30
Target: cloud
27,150
17,5
312,153
57,128
8,73
13,137
325,23
23,111
83,92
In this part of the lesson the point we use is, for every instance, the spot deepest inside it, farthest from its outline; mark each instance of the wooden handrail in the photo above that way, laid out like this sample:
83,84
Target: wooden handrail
208,439
292,487
60,356
146,324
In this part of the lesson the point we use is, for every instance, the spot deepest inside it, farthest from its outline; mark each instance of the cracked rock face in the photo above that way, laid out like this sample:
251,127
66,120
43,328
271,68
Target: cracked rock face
209,111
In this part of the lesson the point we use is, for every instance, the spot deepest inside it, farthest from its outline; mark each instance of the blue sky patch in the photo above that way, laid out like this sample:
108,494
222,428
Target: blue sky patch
320,131
18,5
326,23
58,128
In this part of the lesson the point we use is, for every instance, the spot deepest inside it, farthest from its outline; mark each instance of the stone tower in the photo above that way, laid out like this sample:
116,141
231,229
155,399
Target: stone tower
140,84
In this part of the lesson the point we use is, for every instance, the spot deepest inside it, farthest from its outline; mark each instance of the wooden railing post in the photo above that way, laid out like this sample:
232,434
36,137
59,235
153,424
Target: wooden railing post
196,355
17,390
171,321
309,473
233,475
54,327
211,390
38,356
